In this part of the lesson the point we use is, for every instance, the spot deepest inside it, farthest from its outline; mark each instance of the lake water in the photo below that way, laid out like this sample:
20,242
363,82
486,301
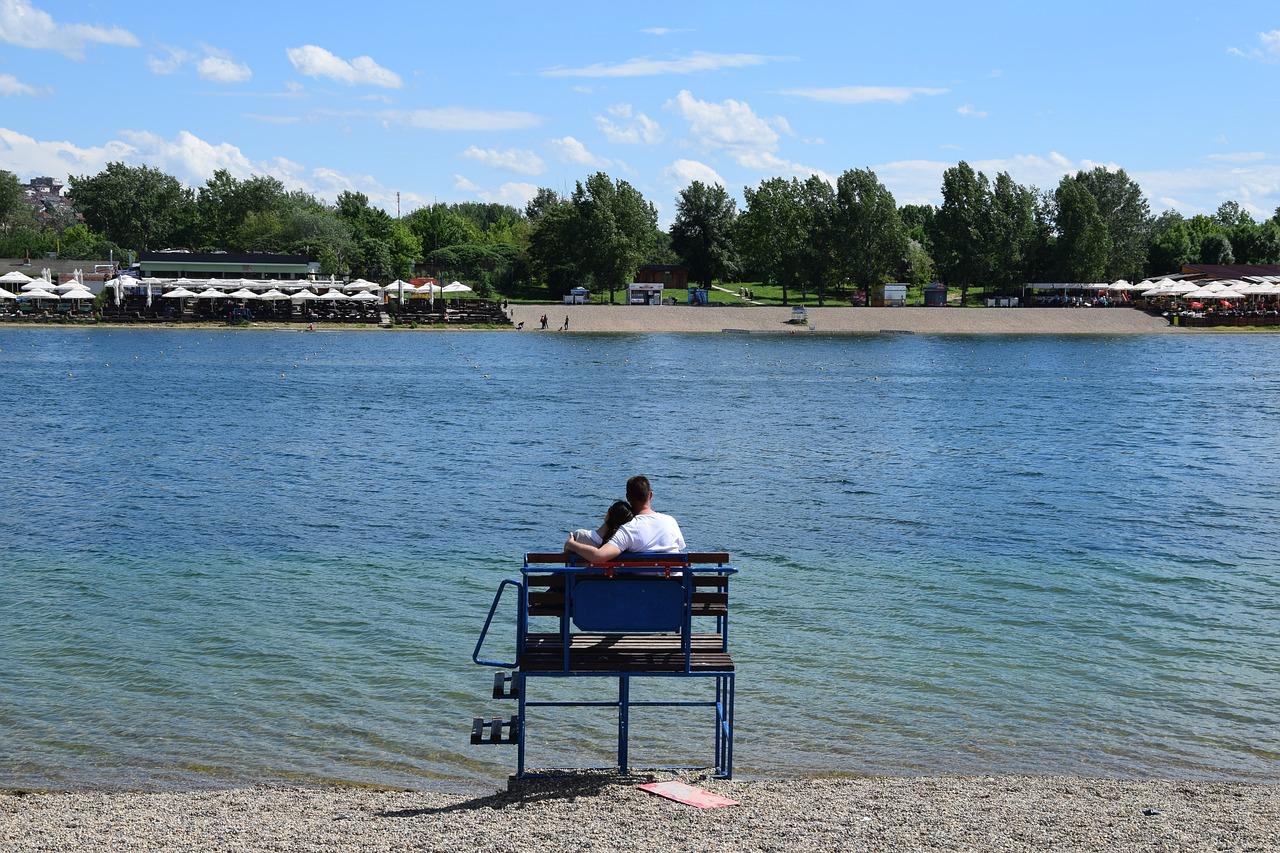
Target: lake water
231,557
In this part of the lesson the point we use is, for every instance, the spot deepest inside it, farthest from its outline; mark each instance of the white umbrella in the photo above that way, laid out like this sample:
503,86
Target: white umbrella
1181,288
211,293
336,295
38,284
429,288
304,296
1118,285
68,286
38,294
359,284
1228,293
273,295
301,284
1156,291
15,277
396,285
243,293
456,287
178,293
4,294
79,293
363,296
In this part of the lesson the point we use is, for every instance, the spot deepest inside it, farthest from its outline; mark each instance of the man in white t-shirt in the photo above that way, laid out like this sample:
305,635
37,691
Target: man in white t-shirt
648,531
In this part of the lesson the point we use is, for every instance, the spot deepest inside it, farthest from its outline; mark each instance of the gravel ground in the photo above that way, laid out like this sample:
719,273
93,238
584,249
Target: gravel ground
586,812
846,320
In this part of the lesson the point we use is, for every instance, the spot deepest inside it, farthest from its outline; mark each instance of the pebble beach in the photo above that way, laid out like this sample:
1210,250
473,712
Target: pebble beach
597,812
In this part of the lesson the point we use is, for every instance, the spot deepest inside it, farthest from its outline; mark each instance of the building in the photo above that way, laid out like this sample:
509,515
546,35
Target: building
60,270
1226,271
670,276
48,204
260,265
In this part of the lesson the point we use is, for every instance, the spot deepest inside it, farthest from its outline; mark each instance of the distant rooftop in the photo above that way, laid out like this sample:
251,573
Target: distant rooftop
183,256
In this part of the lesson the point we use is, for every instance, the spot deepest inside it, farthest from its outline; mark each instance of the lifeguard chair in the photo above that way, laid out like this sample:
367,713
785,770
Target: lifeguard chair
629,618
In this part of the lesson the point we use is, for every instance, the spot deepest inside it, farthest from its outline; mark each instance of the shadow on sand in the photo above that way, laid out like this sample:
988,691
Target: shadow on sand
559,786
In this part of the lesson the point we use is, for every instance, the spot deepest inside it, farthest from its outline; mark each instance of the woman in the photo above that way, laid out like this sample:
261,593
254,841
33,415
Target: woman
619,513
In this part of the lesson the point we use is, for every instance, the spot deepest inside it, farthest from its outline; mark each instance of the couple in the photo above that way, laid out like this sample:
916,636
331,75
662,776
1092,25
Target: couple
630,525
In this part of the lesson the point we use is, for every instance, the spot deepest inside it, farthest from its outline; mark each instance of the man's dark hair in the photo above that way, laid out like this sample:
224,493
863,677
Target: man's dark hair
638,491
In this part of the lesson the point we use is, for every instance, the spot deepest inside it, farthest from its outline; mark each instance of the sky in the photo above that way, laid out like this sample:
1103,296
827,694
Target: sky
464,101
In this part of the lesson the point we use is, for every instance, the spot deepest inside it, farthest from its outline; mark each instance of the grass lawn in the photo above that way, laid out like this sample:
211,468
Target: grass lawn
764,294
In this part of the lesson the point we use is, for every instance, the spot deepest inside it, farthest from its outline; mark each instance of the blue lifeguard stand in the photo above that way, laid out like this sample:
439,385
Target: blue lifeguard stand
628,618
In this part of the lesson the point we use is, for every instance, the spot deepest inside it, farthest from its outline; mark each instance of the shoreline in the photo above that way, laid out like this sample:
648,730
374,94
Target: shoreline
600,811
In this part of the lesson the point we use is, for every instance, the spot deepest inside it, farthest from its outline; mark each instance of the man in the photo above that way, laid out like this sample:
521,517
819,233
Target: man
648,531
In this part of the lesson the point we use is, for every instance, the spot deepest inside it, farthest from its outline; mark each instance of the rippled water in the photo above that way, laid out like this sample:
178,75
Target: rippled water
244,556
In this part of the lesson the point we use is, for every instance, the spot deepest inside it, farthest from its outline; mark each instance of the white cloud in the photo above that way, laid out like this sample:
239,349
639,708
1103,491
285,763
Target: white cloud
683,172
314,61
1268,49
514,193
10,86
1238,157
730,125
223,69
969,111
187,157
25,25
570,150
519,160
646,67
664,31
734,128
637,128
461,118
172,60
864,94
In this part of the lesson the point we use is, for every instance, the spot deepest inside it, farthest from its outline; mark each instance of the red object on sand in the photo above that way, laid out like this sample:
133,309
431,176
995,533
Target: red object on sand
689,795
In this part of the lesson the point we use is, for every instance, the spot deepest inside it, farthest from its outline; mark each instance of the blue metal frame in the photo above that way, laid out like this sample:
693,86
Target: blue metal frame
633,565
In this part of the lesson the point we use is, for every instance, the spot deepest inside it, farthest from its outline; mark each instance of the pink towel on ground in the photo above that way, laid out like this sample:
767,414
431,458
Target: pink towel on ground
689,795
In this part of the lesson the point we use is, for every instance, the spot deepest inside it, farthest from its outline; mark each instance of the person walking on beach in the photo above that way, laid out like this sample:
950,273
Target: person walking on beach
565,327
648,531
543,321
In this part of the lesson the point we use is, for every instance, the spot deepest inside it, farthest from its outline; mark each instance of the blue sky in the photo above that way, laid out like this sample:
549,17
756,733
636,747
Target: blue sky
488,101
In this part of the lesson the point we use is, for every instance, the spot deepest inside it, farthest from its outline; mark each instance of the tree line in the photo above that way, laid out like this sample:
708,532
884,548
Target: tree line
807,235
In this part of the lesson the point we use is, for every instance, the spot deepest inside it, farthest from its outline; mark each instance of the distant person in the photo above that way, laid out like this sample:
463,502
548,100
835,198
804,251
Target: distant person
520,325
618,514
543,320
648,531
565,327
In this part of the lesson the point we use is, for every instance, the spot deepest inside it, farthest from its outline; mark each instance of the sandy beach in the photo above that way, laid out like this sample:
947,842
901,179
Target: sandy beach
1013,813
846,320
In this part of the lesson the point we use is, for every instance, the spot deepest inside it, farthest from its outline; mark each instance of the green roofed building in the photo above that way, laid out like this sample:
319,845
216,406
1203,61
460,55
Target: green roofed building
225,265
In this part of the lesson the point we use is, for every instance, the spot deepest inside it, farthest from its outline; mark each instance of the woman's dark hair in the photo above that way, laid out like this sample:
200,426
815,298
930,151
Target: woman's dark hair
619,513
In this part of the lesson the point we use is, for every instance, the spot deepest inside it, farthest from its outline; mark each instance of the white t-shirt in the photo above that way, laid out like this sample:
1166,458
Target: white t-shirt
650,531
591,537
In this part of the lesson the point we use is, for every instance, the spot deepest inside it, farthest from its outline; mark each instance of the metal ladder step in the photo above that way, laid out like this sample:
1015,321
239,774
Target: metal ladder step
494,732
504,686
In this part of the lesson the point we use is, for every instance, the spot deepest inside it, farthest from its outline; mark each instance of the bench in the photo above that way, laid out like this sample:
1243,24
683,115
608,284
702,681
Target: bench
643,615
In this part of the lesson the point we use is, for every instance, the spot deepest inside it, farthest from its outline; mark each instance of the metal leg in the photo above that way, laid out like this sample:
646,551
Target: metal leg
519,682
624,720
728,774
719,709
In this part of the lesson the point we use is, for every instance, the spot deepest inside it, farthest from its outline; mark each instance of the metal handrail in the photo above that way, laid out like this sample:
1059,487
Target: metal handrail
484,632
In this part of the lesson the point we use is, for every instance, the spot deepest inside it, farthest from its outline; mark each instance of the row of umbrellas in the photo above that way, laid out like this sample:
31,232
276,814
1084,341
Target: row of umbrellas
42,288
1228,289
272,295
352,287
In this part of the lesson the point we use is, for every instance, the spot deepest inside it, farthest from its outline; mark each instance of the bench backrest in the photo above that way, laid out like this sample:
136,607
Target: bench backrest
628,605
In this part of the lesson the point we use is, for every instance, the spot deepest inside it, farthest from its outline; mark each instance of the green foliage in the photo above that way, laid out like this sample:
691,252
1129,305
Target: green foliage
80,243
917,265
1216,249
617,230
12,206
772,231
135,206
1171,245
917,221
702,234
869,238
818,213
1084,246
1126,215
961,246
1011,233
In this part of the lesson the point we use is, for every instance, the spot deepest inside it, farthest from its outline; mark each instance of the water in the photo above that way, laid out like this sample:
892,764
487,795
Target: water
232,557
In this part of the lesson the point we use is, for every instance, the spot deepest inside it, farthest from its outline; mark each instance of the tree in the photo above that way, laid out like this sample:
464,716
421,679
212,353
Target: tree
1127,216
917,222
1011,230
617,230
917,266
702,234
961,248
135,206
225,203
11,200
818,263
1216,249
869,238
1231,215
772,231
553,244
1084,246
1171,245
